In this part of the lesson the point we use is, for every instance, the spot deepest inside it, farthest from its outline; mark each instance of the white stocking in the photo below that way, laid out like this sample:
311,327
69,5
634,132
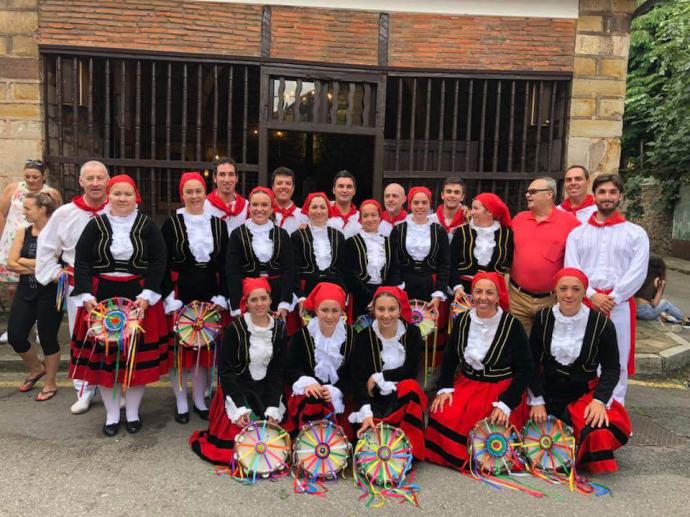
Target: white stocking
180,392
112,405
199,381
133,397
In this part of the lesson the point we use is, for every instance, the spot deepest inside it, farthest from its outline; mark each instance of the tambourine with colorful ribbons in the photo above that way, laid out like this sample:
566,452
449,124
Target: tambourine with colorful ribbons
262,451
382,464
459,306
116,322
427,321
321,451
493,448
197,325
362,322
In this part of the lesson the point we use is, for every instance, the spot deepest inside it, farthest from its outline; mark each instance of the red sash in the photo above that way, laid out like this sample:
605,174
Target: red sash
633,327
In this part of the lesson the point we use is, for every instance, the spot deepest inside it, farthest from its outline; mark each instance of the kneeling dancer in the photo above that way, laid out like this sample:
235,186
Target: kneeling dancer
385,367
492,352
570,343
251,374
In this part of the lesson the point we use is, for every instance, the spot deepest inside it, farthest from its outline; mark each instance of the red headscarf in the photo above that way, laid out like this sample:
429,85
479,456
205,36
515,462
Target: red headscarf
403,300
191,176
496,206
322,292
266,191
370,202
500,282
123,178
252,284
310,198
571,271
417,190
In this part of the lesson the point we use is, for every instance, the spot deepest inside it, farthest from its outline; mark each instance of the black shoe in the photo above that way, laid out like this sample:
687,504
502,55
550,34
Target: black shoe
203,413
134,426
182,418
111,430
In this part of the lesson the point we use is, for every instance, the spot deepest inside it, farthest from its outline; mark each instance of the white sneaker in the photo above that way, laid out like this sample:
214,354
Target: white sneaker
3,337
82,404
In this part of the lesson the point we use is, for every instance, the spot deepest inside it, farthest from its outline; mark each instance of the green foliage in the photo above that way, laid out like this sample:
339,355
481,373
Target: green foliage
657,105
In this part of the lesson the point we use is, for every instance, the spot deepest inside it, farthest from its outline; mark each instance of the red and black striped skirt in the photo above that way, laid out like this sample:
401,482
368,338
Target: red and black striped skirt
217,442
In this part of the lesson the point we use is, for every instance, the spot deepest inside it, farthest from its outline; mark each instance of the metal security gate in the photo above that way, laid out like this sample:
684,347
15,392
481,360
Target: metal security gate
149,117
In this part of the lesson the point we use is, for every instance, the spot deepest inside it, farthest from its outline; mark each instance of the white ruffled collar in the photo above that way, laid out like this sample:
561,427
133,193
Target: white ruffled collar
121,220
486,321
260,346
327,356
418,225
393,352
256,329
259,228
570,320
485,230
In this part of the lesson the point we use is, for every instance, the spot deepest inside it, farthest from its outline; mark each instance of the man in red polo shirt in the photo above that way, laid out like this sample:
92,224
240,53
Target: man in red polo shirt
539,234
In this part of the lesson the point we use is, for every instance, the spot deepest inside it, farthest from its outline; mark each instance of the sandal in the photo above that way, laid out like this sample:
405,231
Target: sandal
29,382
44,395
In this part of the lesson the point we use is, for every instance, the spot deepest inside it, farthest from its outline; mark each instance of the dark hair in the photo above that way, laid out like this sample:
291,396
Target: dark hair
453,181
283,171
221,161
606,178
584,169
43,200
35,164
344,174
657,267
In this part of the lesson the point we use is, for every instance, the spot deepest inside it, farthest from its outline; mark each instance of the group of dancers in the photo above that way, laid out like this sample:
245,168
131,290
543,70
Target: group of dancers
265,263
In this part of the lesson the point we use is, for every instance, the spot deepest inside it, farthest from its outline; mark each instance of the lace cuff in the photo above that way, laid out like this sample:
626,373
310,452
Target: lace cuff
81,299
386,387
533,400
300,384
357,417
234,413
276,413
285,305
445,390
500,405
150,296
171,304
439,294
220,301
336,399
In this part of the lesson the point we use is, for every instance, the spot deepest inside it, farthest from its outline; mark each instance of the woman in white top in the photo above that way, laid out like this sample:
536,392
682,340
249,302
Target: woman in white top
120,254
250,375
196,243
485,370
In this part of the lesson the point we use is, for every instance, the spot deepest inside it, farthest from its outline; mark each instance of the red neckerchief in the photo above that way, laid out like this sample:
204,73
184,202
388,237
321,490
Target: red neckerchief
284,212
335,212
394,220
458,218
228,211
615,218
82,205
568,207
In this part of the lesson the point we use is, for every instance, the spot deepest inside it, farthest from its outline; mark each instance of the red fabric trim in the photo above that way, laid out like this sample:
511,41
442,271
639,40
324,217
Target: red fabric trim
386,216
80,203
615,218
335,212
228,211
458,219
284,212
568,207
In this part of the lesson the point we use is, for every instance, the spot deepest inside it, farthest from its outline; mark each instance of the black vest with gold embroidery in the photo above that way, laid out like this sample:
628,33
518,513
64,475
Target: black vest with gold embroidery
360,268
463,261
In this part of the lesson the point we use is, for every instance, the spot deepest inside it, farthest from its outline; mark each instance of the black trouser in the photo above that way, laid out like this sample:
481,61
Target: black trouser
40,310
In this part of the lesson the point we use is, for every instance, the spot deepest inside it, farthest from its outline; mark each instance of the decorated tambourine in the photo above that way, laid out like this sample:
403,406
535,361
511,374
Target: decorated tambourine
262,450
425,319
363,322
114,321
198,325
459,306
321,450
493,448
549,446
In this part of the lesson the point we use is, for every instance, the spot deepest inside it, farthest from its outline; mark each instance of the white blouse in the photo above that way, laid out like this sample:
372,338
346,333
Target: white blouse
199,235
480,336
376,255
260,346
392,355
418,240
261,240
121,247
322,246
485,243
568,335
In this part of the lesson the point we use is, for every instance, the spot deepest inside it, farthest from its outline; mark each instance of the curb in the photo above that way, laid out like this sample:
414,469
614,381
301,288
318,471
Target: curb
665,362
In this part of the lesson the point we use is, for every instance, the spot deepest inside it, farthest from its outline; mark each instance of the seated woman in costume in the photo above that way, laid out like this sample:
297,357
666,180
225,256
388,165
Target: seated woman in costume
570,343
250,374
370,258
258,248
483,244
121,253
491,351
318,366
196,243
385,368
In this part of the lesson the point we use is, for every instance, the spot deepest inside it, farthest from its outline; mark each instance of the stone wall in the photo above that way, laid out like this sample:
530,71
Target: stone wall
599,78
20,97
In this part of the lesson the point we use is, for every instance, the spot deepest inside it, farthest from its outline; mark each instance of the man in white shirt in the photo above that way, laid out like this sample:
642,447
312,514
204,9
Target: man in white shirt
345,216
614,254
225,202
288,216
451,213
578,201
394,213
56,245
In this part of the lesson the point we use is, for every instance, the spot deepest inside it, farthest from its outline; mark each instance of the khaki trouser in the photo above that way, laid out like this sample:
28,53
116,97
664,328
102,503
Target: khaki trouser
525,308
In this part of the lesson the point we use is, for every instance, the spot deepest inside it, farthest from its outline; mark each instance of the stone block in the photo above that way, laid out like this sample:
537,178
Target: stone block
594,6
3,46
20,112
583,107
21,129
578,151
617,24
18,22
605,154
18,68
25,92
611,108
24,46
593,45
676,357
621,46
3,91
623,6
584,66
615,68
14,153
22,3
598,88
648,364
590,23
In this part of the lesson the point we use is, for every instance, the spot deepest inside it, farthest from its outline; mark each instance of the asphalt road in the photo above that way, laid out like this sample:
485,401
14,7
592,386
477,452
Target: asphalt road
54,463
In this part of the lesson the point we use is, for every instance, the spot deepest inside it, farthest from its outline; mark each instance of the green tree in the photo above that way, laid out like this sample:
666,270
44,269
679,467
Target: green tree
656,126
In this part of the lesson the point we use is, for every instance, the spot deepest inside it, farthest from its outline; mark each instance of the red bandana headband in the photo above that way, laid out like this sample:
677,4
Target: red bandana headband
191,176
123,178
252,284
322,292
403,300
